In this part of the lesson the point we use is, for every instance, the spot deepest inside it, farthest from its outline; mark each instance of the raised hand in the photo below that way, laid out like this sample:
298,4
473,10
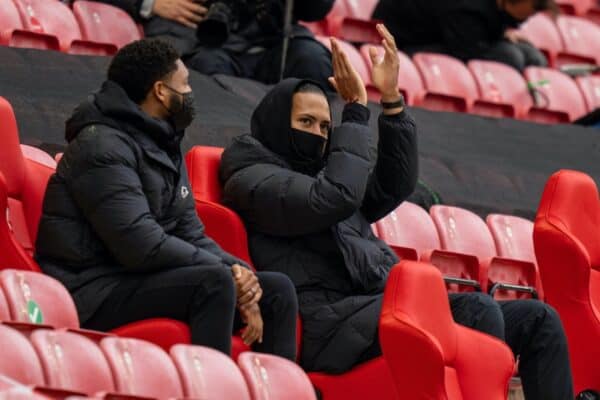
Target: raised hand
186,12
384,73
346,81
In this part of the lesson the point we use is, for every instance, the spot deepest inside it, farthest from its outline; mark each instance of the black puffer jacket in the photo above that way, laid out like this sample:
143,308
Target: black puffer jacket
317,229
119,203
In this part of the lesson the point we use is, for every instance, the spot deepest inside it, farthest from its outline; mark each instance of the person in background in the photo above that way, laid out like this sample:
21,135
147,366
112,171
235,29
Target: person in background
465,29
119,227
238,38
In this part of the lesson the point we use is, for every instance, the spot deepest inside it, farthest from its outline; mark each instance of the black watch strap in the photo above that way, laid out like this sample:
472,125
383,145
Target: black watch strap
396,104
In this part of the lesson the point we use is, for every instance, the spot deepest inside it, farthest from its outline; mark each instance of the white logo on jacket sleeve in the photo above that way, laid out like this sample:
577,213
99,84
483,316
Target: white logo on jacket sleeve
184,192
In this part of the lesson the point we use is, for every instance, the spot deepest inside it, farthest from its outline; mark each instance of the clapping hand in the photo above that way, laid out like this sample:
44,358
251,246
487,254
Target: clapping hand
384,73
346,81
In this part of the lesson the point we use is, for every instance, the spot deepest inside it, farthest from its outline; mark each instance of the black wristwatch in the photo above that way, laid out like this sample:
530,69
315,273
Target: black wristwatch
396,104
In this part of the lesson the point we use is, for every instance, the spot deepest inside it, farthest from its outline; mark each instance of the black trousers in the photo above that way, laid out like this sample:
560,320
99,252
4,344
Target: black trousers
307,59
518,55
205,298
533,331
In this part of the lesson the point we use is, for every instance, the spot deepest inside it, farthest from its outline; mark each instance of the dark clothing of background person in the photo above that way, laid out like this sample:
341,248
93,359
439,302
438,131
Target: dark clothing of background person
465,29
119,229
251,51
316,229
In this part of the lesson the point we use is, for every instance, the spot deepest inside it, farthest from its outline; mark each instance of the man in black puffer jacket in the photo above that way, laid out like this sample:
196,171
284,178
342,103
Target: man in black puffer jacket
119,227
308,196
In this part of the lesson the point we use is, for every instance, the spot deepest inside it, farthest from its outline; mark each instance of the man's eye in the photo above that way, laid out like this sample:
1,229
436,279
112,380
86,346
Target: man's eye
305,121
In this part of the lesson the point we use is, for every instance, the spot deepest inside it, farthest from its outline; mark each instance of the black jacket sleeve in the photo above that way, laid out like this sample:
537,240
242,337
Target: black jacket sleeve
280,202
312,10
397,168
106,186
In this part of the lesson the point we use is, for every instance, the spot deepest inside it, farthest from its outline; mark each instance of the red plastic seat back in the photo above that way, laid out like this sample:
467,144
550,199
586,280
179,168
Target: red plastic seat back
4,310
9,21
499,83
446,75
36,298
203,168
462,231
141,368
272,377
51,17
72,362
560,93
38,155
208,374
354,56
104,23
513,236
360,9
590,87
339,10
409,226
580,37
541,31
576,7
19,360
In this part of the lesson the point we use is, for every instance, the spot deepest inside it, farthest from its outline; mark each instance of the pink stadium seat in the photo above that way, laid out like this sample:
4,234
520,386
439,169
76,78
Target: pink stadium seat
4,310
464,232
104,23
581,38
409,80
270,377
576,7
72,362
55,18
590,87
449,85
430,356
368,380
38,155
566,232
558,92
13,34
349,21
208,374
141,368
19,360
353,55
542,32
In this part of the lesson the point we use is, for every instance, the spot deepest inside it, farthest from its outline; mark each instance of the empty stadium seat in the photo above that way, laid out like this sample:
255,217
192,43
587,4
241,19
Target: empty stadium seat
353,55
566,232
271,377
590,87
208,374
464,232
371,379
409,80
13,34
55,18
451,87
349,21
429,355
581,39
72,362
38,155
141,368
19,360
556,92
105,23
576,7
541,31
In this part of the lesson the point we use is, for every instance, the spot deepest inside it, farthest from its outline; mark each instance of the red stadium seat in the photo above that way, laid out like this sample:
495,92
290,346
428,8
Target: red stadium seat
347,20
72,362
4,309
576,7
557,92
104,23
541,31
370,379
353,55
55,18
19,360
430,356
208,374
271,377
464,232
13,34
590,87
318,28
581,38
566,232
141,368
409,80
38,155
449,85
409,230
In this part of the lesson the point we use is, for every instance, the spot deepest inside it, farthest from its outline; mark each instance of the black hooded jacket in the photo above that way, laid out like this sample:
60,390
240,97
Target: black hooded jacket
119,203
316,229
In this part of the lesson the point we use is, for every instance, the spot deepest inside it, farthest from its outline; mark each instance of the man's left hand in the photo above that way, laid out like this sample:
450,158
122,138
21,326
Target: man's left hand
248,289
384,73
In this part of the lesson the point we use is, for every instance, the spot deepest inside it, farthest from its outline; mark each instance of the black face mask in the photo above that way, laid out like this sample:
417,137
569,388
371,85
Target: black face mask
310,151
182,110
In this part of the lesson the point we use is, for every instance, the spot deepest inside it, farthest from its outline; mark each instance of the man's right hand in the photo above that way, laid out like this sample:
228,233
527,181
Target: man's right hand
247,287
346,81
187,12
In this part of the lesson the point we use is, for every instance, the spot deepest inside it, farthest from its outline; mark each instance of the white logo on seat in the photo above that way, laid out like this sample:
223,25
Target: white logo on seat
184,192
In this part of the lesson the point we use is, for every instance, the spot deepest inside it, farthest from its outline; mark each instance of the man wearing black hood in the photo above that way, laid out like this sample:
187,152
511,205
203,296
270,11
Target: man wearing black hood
119,227
308,194
465,29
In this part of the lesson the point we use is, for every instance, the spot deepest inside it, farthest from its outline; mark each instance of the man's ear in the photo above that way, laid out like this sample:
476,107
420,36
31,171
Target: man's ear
160,91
